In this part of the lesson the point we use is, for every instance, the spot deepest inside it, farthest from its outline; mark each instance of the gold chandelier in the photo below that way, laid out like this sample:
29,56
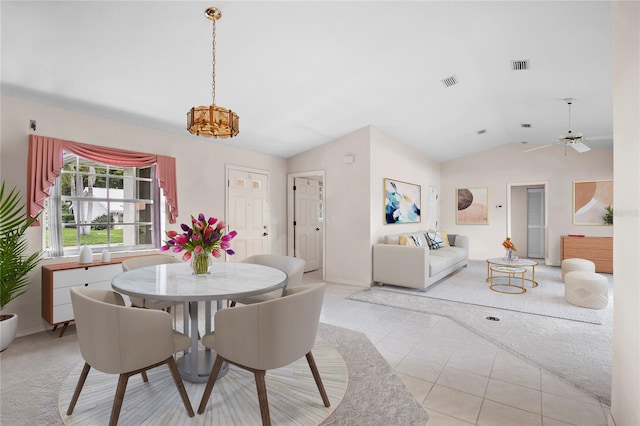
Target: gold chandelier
213,121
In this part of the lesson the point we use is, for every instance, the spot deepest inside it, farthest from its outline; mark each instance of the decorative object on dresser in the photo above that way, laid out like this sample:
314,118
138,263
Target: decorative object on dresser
599,250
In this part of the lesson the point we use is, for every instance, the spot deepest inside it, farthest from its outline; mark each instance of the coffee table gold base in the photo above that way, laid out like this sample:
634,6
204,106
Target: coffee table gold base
508,273
520,263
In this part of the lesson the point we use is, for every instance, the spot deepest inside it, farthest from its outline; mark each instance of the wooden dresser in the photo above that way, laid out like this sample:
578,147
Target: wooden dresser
599,250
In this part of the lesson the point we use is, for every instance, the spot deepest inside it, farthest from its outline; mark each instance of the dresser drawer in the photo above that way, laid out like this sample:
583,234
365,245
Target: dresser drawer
73,277
62,295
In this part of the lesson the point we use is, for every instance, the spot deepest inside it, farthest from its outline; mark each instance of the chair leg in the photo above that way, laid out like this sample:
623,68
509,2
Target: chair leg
217,365
76,393
173,367
144,376
262,397
316,376
117,401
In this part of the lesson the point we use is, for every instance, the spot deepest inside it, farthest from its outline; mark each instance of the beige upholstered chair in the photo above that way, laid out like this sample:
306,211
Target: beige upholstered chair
141,262
118,339
292,266
267,335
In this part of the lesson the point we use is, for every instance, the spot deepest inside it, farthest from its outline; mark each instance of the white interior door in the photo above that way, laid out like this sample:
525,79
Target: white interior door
535,222
307,242
248,214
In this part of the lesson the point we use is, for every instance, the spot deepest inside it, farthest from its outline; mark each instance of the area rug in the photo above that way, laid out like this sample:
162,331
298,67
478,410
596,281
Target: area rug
293,396
469,286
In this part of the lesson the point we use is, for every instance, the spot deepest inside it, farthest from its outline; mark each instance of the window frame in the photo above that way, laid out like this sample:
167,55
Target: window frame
155,222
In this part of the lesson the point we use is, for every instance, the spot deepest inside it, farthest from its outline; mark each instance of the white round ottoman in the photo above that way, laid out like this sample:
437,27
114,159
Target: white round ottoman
586,289
570,265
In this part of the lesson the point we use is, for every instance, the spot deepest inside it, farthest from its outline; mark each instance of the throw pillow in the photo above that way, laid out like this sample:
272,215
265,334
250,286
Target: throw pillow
452,239
445,238
416,240
434,239
403,240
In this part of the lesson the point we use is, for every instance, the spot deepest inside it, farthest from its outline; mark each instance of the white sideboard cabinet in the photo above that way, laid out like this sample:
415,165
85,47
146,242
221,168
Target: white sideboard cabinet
58,279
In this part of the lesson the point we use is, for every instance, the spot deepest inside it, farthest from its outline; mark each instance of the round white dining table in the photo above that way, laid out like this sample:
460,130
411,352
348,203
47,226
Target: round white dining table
175,282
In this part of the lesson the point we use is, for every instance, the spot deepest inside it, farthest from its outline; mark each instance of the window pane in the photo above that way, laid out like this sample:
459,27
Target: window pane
104,207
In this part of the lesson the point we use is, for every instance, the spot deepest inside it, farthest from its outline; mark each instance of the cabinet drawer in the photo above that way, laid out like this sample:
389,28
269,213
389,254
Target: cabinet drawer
62,313
62,295
73,277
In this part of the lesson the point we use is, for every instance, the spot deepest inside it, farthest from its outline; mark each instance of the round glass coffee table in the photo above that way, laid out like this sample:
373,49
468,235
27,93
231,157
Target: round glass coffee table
520,263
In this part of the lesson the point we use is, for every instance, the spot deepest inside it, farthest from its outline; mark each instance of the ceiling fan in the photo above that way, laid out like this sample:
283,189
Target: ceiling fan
574,140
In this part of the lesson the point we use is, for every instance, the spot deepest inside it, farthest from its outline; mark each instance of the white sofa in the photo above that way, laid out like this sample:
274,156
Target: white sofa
417,267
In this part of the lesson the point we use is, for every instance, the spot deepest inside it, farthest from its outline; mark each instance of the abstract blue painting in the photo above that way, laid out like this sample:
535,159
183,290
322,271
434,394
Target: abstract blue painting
401,202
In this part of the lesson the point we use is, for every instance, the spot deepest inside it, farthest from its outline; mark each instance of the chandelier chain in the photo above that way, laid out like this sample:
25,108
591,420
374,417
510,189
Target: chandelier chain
213,64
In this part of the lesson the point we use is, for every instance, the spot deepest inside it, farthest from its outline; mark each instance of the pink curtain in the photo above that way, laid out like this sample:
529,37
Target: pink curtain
46,160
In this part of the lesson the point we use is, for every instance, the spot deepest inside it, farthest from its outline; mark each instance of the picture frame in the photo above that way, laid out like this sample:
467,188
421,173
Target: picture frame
472,206
401,202
590,198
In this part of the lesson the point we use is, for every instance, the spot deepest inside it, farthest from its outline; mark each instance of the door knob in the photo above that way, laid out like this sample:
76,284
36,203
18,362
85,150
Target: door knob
265,234
317,229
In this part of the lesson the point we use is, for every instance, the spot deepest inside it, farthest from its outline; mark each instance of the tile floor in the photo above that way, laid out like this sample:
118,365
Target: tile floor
457,376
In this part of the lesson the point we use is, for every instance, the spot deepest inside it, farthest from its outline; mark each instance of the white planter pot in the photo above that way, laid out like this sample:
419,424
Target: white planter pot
8,329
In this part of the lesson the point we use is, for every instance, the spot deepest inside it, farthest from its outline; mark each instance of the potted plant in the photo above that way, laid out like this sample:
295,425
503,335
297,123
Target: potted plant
607,217
15,265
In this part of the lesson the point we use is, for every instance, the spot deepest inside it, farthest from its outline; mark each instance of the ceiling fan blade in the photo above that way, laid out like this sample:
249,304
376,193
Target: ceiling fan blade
538,147
580,147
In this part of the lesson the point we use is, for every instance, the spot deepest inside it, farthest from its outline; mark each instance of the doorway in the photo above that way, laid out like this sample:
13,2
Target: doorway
527,218
305,218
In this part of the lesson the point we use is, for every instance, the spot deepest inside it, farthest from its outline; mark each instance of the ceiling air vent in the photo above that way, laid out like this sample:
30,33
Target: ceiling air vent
520,65
526,125
449,81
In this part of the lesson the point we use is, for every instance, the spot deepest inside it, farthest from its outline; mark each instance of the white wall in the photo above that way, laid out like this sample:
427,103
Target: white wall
200,166
391,158
625,389
497,167
347,201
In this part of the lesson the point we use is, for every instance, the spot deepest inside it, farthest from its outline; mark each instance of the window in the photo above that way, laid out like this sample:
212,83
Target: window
102,206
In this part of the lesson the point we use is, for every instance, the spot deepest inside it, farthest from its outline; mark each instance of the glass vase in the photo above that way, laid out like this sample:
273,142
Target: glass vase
200,263
509,256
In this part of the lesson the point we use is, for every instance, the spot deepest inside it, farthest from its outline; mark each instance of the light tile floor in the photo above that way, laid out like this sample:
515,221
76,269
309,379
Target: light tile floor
457,376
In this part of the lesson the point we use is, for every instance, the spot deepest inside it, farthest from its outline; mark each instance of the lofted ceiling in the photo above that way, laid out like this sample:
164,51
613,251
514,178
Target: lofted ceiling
303,73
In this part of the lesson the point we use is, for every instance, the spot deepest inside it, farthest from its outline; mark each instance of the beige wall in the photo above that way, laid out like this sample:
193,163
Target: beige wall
200,166
625,389
346,191
391,158
354,196
508,164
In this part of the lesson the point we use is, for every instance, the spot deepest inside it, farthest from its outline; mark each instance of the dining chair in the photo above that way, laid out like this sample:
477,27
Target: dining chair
141,262
118,339
267,335
292,266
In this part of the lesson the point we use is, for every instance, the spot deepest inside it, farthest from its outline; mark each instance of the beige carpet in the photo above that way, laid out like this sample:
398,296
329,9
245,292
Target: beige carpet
293,396
468,285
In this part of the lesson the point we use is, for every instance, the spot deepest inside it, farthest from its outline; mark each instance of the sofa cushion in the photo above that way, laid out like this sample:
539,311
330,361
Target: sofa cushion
434,240
445,238
417,240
